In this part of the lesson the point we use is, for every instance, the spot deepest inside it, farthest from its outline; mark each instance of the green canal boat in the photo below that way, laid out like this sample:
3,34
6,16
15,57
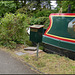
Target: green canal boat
60,35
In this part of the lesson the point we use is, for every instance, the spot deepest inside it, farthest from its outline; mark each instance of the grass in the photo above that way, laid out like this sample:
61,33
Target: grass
52,64
48,63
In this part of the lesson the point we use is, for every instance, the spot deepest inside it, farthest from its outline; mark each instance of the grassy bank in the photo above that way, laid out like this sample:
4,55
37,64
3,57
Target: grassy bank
52,63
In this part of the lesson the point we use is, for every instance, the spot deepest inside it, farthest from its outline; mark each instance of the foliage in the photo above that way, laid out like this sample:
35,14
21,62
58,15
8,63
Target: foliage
12,6
27,9
42,13
65,4
13,29
34,3
7,6
59,2
40,21
37,17
22,10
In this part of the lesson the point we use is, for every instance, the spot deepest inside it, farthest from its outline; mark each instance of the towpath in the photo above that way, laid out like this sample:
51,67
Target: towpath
10,65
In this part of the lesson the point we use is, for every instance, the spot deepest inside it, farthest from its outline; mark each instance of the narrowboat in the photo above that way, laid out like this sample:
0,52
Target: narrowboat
60,35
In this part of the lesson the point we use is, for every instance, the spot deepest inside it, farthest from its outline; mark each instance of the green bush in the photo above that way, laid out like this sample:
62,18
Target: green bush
40,21
7,6
13,30
46,23
42,13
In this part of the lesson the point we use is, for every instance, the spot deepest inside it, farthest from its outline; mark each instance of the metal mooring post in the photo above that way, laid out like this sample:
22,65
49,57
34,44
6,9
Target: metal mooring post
37,49
69,8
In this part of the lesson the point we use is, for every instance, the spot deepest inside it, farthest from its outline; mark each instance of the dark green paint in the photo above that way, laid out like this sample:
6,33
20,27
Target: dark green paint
60,29
58,43
60,26
36,36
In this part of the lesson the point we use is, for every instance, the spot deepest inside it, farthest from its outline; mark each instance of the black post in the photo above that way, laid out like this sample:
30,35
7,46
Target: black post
69,8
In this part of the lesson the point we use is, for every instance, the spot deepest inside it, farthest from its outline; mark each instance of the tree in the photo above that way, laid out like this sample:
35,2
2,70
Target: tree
59,2
49,3
65,4
16,1
23,2
7,6
38,3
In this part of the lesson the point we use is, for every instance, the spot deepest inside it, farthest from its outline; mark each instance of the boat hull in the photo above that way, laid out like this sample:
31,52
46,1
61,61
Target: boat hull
60,51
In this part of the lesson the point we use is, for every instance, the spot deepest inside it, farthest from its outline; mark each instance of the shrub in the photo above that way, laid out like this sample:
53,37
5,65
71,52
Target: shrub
7,6
40,21
42,13
13,30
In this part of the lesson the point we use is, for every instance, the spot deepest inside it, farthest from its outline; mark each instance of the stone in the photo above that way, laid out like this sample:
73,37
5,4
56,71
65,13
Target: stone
20,53
30,48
